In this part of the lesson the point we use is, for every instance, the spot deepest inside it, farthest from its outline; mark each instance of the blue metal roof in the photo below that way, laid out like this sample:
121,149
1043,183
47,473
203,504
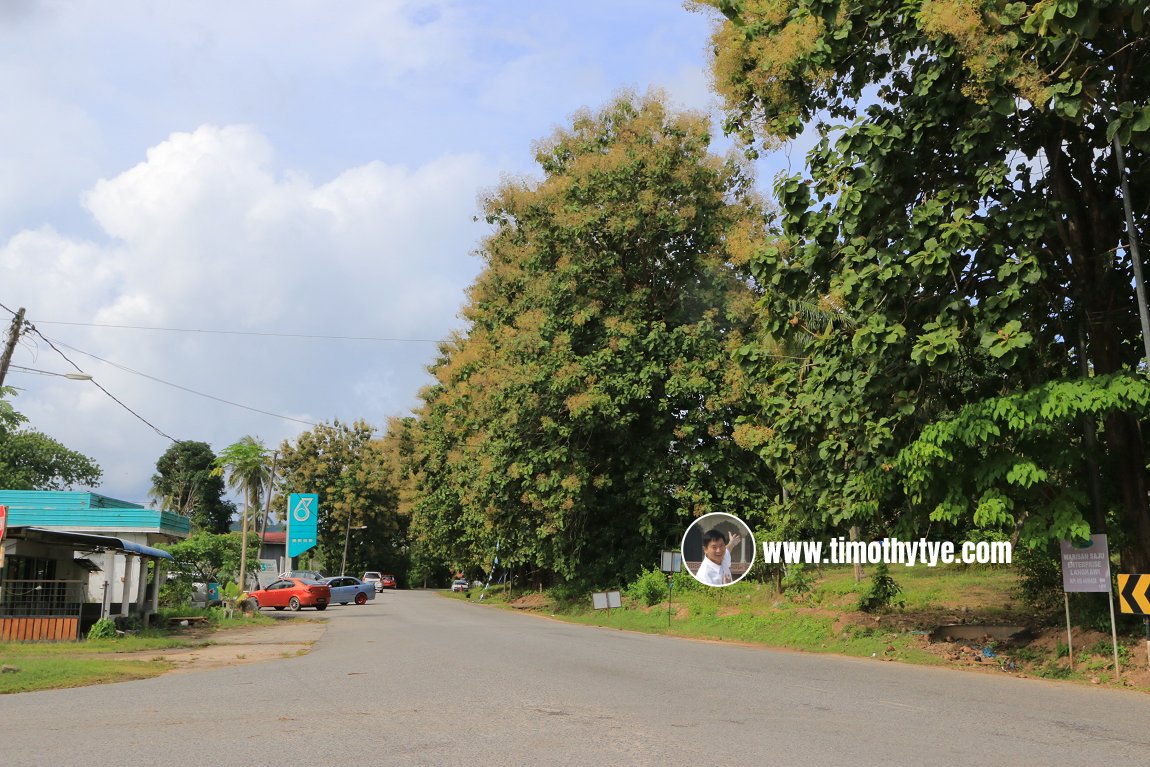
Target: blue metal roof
90,512
86,540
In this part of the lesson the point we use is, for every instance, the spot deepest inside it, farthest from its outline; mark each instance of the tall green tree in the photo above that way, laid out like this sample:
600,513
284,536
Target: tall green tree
961,210
586,415
184,482
345,465
211,557
31,460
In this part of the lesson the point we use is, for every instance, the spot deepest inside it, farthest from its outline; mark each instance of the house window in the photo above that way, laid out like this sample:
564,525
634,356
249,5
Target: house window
29,569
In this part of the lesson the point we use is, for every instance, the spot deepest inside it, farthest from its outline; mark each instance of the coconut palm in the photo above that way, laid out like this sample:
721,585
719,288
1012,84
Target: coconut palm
247,469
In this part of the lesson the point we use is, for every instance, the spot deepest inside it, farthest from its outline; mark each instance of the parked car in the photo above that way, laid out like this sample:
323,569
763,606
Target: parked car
375,578
387,581
292,593
460,584
345,588
311,575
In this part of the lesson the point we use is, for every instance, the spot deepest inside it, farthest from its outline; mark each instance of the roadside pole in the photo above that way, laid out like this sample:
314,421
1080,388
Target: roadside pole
10,346
1069,637
670,562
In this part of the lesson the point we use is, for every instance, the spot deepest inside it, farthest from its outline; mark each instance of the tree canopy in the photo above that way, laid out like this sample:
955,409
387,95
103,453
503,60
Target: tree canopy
959,224
184,482
31,460
587,413
346,465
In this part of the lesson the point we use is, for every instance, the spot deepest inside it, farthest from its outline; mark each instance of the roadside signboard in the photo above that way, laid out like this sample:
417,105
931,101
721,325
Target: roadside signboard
670,561
1086,569
605,600
303,510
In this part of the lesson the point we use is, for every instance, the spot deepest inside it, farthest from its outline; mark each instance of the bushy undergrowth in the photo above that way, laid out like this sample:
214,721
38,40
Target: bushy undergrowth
881,591
105,628
650,588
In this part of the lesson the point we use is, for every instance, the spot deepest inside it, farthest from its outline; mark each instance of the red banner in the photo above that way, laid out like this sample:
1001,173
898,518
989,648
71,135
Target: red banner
3,521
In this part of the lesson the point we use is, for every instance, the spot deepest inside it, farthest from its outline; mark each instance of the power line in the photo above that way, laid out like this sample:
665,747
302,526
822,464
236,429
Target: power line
127,369
98,386
246,333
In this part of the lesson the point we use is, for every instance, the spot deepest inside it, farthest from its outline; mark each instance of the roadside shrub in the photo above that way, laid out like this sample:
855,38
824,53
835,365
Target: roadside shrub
105,628
684,581
881,591
176,591
1039,576
798,581
650,588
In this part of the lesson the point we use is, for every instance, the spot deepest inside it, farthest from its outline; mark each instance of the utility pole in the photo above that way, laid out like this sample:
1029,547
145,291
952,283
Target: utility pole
1135,256
10,347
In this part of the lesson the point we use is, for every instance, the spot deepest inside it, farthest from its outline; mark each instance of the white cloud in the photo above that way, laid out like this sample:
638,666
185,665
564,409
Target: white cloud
209,233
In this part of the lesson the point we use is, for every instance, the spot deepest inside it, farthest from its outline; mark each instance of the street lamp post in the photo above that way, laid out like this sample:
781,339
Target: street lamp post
346,538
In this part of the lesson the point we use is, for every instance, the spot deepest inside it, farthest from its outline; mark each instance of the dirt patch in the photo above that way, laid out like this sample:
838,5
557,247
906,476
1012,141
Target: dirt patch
284,639
535,601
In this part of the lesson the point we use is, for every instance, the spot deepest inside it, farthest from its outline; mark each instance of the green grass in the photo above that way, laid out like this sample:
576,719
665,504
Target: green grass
51,665
826,620
752,613
52,672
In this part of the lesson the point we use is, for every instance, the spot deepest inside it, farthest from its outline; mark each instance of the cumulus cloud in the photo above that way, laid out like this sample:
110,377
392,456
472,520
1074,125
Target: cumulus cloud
209,232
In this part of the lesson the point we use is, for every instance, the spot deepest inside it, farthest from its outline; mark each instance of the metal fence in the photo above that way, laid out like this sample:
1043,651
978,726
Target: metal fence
42,599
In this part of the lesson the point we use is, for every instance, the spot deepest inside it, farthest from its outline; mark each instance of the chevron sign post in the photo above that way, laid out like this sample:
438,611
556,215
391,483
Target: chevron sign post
1132,594
1134,599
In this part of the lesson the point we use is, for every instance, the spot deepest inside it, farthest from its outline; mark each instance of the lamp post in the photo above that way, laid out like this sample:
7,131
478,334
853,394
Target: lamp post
346,538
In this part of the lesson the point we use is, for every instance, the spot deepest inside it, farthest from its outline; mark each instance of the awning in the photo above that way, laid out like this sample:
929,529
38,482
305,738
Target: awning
87,541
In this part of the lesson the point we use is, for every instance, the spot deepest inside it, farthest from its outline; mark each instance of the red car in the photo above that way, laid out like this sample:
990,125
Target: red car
387,581
292,593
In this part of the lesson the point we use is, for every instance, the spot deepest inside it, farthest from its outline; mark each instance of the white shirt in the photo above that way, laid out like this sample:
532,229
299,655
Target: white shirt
712,574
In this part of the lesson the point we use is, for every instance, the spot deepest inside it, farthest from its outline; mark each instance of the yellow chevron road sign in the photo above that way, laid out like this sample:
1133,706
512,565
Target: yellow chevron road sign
1132,593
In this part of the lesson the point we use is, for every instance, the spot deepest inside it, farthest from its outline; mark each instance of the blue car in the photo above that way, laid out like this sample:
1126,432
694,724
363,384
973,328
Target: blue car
345,589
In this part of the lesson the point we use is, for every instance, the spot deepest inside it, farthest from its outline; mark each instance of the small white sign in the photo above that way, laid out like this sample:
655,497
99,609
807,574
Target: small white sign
599,600
672,562
614,599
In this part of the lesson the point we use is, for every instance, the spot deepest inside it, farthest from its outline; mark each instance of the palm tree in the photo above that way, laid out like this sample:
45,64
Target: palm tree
247,469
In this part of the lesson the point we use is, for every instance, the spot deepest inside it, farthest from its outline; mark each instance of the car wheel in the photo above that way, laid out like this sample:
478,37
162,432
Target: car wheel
280,607
293,604
321,607
361,598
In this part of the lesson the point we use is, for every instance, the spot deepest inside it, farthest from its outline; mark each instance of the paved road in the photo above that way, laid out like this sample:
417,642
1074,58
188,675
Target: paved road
413,679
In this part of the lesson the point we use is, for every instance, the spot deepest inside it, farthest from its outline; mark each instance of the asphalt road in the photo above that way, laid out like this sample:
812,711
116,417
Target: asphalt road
414,679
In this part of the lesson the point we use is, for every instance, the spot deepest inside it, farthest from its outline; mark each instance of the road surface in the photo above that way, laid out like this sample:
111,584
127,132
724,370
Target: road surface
415,679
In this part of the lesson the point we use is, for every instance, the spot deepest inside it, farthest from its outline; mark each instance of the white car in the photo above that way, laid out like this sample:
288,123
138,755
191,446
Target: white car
375,578
460,585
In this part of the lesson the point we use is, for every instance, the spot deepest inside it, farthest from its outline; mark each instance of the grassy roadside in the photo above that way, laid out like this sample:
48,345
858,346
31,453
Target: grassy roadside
28,666
825,619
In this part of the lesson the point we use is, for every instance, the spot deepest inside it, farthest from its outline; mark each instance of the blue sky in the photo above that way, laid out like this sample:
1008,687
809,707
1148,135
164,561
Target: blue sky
275,167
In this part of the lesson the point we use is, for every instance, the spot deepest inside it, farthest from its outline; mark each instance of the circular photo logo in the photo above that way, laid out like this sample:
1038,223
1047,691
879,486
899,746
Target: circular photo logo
718,549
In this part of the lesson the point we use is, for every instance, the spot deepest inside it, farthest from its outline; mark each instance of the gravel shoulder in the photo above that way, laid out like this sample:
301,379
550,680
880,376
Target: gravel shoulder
286,638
